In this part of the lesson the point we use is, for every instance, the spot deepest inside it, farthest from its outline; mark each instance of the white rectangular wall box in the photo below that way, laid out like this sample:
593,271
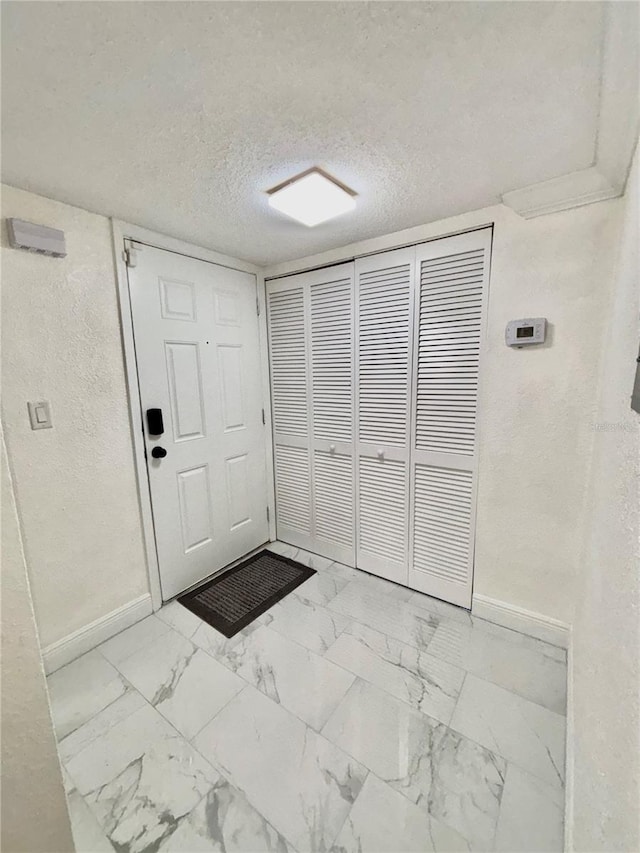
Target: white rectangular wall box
36,238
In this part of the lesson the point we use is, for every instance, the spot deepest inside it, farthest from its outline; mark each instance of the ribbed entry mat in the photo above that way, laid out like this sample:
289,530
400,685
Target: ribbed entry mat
233,600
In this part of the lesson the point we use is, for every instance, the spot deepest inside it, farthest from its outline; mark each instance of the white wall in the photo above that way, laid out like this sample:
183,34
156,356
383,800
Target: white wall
75,484
606,633
34,809
537,405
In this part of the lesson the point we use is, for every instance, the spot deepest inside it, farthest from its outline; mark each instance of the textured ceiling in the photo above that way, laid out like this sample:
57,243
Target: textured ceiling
178,115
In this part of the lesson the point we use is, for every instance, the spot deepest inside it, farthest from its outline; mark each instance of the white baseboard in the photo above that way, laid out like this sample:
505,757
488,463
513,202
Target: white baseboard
569,755
72,646
527,622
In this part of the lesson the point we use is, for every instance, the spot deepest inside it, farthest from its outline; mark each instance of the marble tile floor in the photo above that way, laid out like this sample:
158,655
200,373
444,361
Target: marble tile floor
355,715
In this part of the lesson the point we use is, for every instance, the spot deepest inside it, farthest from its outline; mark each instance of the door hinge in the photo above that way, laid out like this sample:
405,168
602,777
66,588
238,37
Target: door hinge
268,514
129,256
263,418
257,306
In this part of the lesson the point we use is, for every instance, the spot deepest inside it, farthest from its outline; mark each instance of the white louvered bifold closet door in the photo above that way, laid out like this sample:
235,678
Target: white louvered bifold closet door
287,322
311,338
450,296
384,331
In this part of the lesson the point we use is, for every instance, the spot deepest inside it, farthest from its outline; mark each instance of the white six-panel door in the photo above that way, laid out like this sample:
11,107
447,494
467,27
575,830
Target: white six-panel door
375,372
198,359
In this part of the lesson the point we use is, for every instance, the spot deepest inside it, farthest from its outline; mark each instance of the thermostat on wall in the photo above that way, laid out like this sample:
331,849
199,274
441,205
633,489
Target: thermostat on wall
521,333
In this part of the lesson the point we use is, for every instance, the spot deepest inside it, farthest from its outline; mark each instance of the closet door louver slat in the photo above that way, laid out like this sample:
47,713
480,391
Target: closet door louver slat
452,289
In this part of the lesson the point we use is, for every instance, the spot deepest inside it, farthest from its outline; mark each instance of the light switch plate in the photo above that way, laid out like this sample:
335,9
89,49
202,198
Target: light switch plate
40,415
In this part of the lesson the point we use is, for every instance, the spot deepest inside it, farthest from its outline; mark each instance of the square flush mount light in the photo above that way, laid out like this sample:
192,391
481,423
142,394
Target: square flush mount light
312,197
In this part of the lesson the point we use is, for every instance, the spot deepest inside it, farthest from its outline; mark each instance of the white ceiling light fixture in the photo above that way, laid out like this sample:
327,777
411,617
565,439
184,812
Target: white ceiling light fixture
312,197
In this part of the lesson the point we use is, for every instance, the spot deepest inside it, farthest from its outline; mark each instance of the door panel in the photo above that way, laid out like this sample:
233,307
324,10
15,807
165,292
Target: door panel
333,406
384,339
185,389
230,358
288,352
288,357
198,359
239,489
196,512
332,358
293,493
312,386
449,313
383,509
334,500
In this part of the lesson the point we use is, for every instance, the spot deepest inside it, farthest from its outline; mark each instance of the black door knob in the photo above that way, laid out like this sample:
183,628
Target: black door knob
158,452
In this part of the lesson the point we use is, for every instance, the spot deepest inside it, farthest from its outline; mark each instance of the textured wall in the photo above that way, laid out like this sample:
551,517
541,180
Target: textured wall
606,632
75,483
34,808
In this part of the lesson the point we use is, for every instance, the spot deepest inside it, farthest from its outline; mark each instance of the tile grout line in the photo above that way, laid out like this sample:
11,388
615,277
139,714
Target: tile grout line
348,814
495,751
446,622
319,733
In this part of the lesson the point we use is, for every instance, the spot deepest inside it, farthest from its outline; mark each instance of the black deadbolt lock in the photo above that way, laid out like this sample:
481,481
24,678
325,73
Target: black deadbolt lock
155,424
158,452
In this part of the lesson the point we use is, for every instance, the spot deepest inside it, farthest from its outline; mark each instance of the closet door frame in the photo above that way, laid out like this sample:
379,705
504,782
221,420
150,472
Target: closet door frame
467,241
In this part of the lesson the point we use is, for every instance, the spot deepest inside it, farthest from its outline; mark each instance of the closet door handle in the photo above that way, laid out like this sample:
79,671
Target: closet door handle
381,453
332,448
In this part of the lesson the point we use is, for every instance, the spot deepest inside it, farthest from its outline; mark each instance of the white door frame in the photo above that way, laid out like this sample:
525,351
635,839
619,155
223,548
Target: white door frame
122,231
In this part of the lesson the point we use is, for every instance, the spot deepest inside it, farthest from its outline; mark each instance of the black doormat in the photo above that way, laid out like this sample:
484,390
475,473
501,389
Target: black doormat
233,600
